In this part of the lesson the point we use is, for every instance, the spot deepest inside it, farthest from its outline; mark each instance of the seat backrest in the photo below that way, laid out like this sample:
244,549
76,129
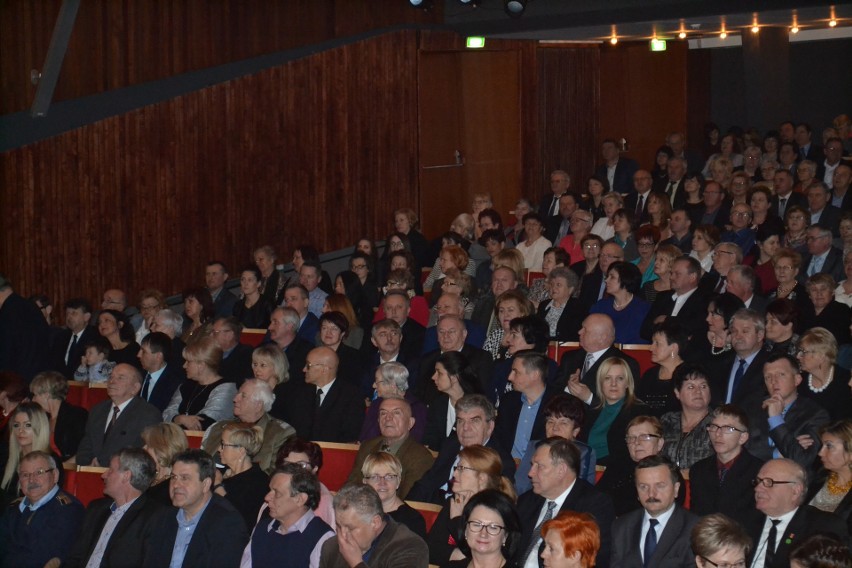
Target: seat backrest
337,462
429,512
95,393
194,437
556,349
90,484
640,352
76,392
252,337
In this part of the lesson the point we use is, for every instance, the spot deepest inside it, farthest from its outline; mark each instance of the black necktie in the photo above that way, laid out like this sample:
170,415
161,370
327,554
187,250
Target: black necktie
554,206
650,542
640,205
70,348
721,285
782,206
115,411
769,557
318,401
145,385
738,377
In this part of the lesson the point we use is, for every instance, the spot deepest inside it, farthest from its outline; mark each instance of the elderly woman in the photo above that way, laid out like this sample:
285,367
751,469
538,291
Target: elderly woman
333,327
806,174
831,489
647,239
271,282
455,282
768,243
824,381
665,256
206,397
623,304
309,456
782,318
198,311
623,222
768,166
254,310
478,469
494,241
391,381
592,245
739,188
729,149
115,328
719,312
151,301
563,313
454,378
340,303
525,333
244,484
596,187
668,340
270,365
553,257
704,240
509,305
796,221
515,232
383,472
843,292
604,227
787,263
760,200
719,540
535,244
828,312
163,442
844,241
721,170
30,432
751,162
67,422
685,431
571,540
581,224
452,256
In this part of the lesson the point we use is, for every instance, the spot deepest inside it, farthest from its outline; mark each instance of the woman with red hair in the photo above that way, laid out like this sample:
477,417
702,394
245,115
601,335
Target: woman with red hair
571,540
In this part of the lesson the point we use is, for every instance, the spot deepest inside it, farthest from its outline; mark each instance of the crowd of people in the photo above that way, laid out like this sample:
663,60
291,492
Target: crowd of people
731,261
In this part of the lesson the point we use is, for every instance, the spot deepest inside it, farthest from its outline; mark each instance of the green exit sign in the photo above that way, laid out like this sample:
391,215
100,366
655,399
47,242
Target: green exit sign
475,42
658,45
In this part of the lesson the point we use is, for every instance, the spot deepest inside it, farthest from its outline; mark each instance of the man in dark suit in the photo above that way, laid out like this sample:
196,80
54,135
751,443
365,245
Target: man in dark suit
637,201
162,378
592,286
215,276
841,197
687,305
556,228
548,207
808,150
451,337
118,421
722,483
822,257
70,344
737,375
386,337
503,279
474,426
236,356
23,334
716,210
578,369
451,303
821,209
398,308
742,282
124,518
779,495
617,170
326,409
297,297
784,197
219,534
673,184
557,488
283,324
658,534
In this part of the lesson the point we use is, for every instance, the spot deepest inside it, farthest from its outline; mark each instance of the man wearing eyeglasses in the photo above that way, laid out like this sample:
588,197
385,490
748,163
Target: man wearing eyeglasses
780,488
741,232
43,524
395,424
822,257
721,483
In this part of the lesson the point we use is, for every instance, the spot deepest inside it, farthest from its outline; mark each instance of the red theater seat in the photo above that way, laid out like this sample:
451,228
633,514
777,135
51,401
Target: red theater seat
642,354
337,462
429,512
556,349
90,484
76,392
252,336
194,438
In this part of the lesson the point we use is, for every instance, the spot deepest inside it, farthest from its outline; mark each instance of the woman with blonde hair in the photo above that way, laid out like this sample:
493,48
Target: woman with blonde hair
29,432
571,540
341,303
383,472
163,442
244,484
823,380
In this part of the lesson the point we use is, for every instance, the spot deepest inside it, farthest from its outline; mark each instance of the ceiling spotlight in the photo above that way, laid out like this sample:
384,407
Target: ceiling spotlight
471,3
422,4
613,40
515,8
724,34
755,29
682,35
832,23
794,29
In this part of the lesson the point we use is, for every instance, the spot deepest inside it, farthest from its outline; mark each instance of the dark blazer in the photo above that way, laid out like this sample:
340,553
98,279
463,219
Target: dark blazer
758,304
510,412
339,419
833,265
171,379
805,522
846,204
662,184
436,422
135,417
844,508
830,218
483,310
574,360
804,417
720,368
309,328
673,548
552,226
218,540
480,361
590,286
583,498
224,303
76,353
630,204
297,356
720,219
733,497
568,326
475,336
622,181
70,428
835,317
618,463
792,199
692,315
129,540
236,367
412,339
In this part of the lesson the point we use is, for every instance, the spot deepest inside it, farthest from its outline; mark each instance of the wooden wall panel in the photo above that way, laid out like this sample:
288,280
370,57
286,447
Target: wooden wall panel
322,149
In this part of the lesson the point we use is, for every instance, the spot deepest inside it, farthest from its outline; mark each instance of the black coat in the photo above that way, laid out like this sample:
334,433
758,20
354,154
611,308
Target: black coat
805,522
170,380
570,321
479,360
70,427
574,360
75,355
339,419
733,497
236,367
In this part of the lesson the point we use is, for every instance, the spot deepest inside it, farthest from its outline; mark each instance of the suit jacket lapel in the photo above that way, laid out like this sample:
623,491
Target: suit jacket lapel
669,536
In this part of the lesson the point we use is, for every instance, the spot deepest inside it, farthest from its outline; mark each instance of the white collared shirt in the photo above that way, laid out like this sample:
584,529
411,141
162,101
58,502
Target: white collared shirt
762,543
663,520
532,560
680,300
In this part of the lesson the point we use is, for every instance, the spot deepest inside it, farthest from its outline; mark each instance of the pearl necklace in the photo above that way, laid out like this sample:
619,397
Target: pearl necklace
620,307
823,387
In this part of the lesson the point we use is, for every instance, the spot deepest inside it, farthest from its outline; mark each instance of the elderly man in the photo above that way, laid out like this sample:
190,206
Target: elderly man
617,170
206,530
474,425
841,197
386,337
578,369
741,232
739,372
115,299
778,421
117,527
556,228
821,209
784,197
560,181
822,257
780,490
680,225
296,296
637,201
742,282
236,356
367,537
715,210
451,304
451,337
658,534
395,424
283,326
687,304
326,409
162,378
503,278
168,322
288,533
118,421
398,308
252,404
725,257
215,276
556,487
672,184
43,524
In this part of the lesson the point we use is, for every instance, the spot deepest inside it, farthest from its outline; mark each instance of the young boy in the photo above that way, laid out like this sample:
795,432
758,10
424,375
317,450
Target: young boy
94,366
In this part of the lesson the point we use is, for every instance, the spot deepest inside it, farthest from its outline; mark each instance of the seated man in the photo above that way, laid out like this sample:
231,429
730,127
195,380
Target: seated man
297,297
206,530
310,276
450,303
215,277
43,524
236,356
283,328
367,536
288,533
395,424
162,377
117,527
251,406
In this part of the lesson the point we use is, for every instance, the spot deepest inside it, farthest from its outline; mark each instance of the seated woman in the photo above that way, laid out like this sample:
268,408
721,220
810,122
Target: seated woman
404,260
767,243
563,313
348,287
509,305
564,416
623,223
244,484
831,488
449,239
704,240
151,301
624,305
383,472
581,225
309,456
333,327
392,382
782,319
843,292
604,227
665,256
596,187
821,550
364,268
571,540
30,432
269,364
67,422
719,312
668,340
198,312
533,247
796,221
685,431
647,239
163,442
405,221
451,257
717,539
402,280
115,328
460,284
828,312
553,257
526,332
454,378
659,214
824,381
254,310
272,281
787,264
493,240
206,397
340,303
479,468
592,245
492,531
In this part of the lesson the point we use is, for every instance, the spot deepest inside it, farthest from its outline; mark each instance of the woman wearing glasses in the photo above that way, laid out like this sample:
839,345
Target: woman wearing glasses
383,472
489,531
787,263
478,468
685,431
824,381
244,484
720,542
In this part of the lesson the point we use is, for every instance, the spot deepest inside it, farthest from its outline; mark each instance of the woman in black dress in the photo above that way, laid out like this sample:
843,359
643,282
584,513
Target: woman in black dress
254,310
244,484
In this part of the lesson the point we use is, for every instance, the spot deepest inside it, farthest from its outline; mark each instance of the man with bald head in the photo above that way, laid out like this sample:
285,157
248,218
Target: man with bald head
325,409
451,304
579,368
115,299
